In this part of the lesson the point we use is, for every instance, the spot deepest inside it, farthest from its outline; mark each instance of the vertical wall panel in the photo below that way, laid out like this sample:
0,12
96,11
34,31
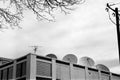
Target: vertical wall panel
23,65
21,79
114,77
58,71
44,68
105,76
4,74
0,74
18,70
63,72
21,69
78,73
93,75
39,78
10,73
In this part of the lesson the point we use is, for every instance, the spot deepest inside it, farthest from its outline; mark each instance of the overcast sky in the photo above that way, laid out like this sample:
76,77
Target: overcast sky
87,31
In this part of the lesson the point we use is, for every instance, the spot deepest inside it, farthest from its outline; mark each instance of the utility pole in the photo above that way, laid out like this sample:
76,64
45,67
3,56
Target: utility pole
117,26
118,32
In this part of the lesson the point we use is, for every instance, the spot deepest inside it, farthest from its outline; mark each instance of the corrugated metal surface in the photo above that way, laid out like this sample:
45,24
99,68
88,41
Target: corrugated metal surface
63,72
78,73
44,69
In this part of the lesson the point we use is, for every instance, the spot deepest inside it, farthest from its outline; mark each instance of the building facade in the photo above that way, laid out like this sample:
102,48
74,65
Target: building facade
35,67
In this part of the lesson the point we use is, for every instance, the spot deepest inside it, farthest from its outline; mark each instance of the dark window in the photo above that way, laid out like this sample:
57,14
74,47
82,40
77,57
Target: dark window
6,74
93,74
10,63
10,73
18,71
4,77
22,58
105,76
39,78
21,69
43,58
22,79
44,69
0,74
62,72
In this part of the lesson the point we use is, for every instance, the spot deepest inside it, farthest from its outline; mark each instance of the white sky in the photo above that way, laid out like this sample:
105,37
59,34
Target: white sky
87,31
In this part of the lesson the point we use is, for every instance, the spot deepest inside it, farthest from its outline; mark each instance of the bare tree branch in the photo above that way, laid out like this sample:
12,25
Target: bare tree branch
110,9
13,14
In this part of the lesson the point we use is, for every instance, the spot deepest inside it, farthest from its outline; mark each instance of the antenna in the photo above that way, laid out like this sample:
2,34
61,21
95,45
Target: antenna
70,58
102,67
51,56
86,61
35,48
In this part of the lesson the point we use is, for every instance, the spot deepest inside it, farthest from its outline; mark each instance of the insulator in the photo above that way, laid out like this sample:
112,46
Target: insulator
113,14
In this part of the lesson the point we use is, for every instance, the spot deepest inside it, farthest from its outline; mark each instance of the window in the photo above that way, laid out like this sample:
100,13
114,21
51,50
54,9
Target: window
10,73
21,69
18,71
22,79
44,69
0,74
39,78
4,76
105,76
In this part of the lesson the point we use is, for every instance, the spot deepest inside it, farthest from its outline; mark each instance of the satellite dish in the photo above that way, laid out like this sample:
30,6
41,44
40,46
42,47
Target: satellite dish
51,56
70,58
102,67
87,61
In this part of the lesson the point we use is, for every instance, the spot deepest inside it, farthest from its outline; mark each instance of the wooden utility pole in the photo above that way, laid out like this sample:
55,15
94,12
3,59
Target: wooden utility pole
117,26
118,32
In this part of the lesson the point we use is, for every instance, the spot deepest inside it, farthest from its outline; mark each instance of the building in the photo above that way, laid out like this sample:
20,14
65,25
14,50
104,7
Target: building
35,67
